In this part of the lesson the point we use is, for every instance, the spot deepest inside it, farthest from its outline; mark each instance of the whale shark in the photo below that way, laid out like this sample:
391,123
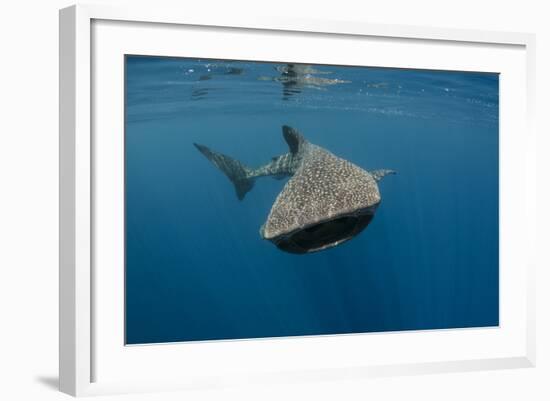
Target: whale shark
326,202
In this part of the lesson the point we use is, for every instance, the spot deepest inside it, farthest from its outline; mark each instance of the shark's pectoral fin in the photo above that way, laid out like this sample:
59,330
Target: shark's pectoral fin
379,174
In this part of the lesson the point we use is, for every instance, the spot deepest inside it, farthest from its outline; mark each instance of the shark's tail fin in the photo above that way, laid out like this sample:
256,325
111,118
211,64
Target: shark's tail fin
238,173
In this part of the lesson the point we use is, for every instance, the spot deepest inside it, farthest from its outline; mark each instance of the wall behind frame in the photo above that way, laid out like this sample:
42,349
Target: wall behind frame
29,187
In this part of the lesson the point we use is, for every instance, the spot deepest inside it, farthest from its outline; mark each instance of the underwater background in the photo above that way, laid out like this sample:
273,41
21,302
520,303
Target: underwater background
196,266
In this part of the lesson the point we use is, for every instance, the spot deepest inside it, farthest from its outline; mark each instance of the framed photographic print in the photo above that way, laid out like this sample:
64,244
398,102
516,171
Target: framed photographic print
273,200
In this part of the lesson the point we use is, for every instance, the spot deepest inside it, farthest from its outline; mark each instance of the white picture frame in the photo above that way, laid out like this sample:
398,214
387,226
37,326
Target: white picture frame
82,158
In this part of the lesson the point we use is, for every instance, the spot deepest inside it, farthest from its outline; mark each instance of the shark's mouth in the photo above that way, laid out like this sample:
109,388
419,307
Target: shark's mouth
323,235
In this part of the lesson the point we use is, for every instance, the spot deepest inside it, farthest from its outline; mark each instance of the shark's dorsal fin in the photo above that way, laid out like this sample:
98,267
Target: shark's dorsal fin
293,138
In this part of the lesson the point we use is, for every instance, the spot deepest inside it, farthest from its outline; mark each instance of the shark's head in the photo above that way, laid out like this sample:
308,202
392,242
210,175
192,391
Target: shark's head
328,201
325,234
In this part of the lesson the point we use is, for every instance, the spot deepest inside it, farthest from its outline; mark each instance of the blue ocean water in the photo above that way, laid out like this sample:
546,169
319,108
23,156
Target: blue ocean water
196,266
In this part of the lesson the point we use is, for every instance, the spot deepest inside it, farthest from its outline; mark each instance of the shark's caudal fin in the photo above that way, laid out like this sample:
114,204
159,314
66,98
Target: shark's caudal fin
237,172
